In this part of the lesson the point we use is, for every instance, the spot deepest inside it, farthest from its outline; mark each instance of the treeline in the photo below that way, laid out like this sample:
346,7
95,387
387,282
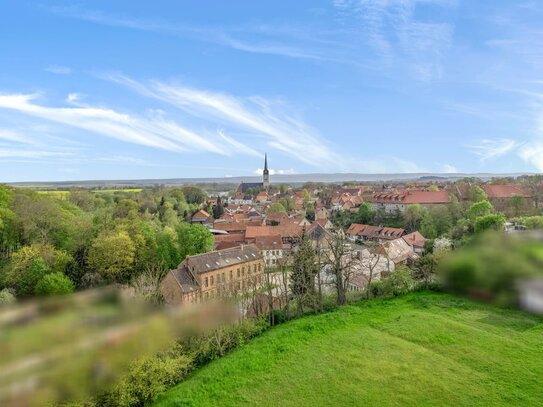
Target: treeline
54,245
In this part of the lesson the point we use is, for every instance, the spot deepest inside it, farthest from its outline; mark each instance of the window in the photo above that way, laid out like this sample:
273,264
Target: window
254,268
231,275
259,267
211,280
222,278
206,282
239,274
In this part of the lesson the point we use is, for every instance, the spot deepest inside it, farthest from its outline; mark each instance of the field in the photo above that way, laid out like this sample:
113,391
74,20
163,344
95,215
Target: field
63,193
422,349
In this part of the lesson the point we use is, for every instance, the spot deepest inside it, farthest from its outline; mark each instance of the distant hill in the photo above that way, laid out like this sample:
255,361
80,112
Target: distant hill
275,179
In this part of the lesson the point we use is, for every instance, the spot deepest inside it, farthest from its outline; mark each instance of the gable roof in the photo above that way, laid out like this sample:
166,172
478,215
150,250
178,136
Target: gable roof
412,197
397,250
504,191
218,259
414,239
370,231
201,214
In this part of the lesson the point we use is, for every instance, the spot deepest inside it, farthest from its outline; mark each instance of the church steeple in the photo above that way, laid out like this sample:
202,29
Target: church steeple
265,173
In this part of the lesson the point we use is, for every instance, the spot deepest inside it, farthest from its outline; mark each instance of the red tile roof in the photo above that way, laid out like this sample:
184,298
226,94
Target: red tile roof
372,232
504,191
288,230
412,197
201,214
415,239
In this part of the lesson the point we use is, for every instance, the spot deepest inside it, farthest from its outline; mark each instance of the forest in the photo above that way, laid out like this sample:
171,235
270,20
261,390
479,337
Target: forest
57,243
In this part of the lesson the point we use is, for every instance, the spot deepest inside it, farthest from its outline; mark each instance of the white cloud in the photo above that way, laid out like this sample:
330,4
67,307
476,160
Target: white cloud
392,28
488,149
272,171
533,153
449,169
152,131
263,118
59,70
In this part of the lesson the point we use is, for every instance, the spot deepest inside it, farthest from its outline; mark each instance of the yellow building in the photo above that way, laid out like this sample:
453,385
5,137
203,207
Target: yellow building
221,273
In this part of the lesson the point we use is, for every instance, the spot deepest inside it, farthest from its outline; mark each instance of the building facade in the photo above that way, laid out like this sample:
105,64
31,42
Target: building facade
218,274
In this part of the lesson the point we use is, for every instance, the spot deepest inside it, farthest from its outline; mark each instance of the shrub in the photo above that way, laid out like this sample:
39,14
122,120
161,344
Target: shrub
147,378
6,297
398,282
54,284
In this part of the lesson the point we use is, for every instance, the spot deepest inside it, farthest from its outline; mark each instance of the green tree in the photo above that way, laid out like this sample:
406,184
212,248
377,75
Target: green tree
276,208
493,221
194,195
112,256
288,203
364,214
480,208
193,239
413,216
54,284
302,278
477,194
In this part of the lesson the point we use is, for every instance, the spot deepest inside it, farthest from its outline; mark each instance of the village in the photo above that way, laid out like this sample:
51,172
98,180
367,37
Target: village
259,227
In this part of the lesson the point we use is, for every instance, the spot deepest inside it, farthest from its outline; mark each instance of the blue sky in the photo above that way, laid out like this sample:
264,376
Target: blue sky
166,89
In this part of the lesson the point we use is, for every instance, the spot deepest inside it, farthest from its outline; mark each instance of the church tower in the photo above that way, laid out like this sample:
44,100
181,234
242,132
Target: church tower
266,173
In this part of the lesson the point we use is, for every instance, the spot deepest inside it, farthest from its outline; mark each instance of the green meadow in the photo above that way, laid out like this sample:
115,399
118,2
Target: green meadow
421,349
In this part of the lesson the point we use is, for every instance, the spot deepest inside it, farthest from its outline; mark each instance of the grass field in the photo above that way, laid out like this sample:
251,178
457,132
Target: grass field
64,194
423,349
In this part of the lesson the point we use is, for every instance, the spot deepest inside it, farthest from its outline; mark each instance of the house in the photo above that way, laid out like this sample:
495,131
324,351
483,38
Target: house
325,223
358,231
290,233
398,201
271,248
200,217
321,212
217,274
398,251
416,241
500,196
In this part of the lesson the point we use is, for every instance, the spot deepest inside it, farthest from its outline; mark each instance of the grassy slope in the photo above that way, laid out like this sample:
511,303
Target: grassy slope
420,349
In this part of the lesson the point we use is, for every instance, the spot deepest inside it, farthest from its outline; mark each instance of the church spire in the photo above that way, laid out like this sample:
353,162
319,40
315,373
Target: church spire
266,173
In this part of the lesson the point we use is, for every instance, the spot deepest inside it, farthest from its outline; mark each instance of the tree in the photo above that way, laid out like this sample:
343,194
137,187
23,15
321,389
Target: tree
516,203
30,263
218,209
425,268
288,203
534,183
194,195
364,214
112,256
276,208
54,284
480,208
193,239
413,216
493,221
477,194
428,226
302,278
340,265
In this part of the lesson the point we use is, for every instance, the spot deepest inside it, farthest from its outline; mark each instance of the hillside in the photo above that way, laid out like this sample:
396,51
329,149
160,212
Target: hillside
420,349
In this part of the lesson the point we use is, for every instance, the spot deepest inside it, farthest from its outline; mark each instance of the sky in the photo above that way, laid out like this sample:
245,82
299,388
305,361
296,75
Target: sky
174,89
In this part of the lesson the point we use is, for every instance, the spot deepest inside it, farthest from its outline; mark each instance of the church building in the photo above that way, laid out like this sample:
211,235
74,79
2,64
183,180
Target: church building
257,186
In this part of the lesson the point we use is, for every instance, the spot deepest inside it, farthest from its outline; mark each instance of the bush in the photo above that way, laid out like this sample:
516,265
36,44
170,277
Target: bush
398,282
6,297
221,340
54,284
149,377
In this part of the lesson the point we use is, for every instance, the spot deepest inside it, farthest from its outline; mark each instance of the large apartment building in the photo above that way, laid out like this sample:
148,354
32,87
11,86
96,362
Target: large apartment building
221,273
